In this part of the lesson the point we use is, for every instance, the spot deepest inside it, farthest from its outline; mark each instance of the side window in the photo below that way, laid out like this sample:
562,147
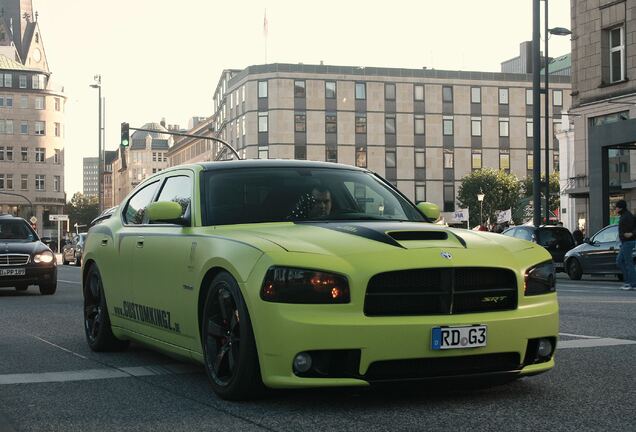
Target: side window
179,190
607,235
524,234
134,213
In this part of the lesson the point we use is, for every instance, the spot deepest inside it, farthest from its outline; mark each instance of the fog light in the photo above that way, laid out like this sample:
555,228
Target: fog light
302,362
545,348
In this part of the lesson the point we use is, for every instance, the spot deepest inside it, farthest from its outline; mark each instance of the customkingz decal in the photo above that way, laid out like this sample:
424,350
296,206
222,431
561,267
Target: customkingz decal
147,315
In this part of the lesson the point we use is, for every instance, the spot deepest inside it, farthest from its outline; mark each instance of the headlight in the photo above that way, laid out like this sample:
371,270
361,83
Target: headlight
292,285
540,279
44,257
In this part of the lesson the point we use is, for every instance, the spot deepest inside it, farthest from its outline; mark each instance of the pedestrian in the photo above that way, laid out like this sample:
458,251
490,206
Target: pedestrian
577,234
627,236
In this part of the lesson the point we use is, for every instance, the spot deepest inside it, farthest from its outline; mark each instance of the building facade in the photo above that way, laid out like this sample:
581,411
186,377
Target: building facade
424,130
31,120
603,110
91,165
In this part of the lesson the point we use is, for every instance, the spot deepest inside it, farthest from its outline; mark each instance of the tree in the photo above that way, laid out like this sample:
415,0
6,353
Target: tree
82,209
555,196
501,192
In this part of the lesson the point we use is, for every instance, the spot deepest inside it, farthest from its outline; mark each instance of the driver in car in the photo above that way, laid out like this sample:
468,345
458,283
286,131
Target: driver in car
316,204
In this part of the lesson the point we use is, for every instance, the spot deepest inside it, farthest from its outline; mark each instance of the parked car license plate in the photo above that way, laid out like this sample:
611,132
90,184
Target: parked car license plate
459,337
12,272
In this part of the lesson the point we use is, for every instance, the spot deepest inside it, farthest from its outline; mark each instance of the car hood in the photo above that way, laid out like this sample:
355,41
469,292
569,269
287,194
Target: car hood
354,237
11,247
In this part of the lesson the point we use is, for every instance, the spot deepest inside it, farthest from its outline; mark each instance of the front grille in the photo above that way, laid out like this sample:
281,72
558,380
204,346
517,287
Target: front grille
441,291
14,259
421,368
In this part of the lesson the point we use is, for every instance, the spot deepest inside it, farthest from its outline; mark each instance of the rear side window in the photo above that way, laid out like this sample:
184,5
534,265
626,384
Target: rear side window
523,234
553,237
179,190
136,207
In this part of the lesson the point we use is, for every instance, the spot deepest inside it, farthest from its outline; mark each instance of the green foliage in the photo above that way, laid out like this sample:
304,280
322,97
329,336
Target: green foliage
82,210
555,197
501,192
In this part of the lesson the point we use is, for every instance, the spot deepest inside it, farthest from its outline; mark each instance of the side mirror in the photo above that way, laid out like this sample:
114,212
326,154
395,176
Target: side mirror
430,210
165,211
587,240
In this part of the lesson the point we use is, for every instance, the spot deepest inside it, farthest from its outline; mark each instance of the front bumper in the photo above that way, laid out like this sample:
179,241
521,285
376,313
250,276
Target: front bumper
34,274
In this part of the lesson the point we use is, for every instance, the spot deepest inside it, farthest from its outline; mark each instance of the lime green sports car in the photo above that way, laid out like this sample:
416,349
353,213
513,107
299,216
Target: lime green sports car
287,274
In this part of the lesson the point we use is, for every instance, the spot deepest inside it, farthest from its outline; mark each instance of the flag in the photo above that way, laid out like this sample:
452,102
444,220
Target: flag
504,216
265,26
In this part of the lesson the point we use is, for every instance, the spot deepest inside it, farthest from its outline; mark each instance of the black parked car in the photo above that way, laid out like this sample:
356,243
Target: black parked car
557,240
72,250
24,259
596,255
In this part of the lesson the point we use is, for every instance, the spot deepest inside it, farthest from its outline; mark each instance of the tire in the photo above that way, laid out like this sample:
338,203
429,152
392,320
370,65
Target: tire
99,334
22,287
48,288
64,261
78,262
229,348
574,269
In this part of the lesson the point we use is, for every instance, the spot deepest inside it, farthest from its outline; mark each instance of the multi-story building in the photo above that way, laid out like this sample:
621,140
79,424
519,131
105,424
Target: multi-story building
91,167
31,120
603,111
109,157
424,130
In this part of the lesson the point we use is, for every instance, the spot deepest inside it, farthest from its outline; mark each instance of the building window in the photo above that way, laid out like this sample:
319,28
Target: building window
24,154
37,82
22,81
557,97
529,97
9,127
389,159
57,104
389,124
447,94
361,157
556,127
361,123
3,127
449,159
447,123
300,123
1,181
503,96
419,92
262,122
476,159
331,155
361,91
263,152
56,183
420,158
529,128
530,161
8,80
300,152
504,159
39,102
555,161
299,89
616,54
420,192
330,89
24,182
262,89
9,153
40,154
610,118
389,91
475,126
154,156
419,125
504,127
9,101
2,153
475,95
39,128
56,159
24,101
449,198
39,182
10,181
331,122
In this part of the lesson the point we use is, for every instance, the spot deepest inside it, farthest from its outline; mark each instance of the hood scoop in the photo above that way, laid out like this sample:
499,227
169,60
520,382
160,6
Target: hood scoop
417,235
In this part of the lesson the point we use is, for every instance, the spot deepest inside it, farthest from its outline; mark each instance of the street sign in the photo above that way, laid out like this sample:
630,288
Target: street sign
58,217
33,219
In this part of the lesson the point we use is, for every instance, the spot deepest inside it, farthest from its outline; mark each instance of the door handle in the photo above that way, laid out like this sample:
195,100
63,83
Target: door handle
140,242
104,242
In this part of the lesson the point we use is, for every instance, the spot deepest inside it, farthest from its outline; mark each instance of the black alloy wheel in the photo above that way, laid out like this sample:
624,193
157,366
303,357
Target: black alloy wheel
96,320
229,349
574,269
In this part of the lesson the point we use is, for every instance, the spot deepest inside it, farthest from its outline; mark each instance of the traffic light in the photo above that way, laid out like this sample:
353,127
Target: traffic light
125,137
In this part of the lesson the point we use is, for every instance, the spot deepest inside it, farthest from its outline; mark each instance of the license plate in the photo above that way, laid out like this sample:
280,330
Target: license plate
12,272
459,337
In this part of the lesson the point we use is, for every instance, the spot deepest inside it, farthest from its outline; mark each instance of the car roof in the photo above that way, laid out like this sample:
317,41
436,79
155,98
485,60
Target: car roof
274,163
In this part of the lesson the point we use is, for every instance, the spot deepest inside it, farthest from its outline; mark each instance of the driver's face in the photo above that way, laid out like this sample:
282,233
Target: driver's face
322,207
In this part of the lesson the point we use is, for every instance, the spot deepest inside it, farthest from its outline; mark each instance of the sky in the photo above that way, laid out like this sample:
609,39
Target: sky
163,58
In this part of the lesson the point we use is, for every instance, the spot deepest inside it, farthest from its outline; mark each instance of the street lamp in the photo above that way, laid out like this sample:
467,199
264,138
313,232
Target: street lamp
98,86
480,198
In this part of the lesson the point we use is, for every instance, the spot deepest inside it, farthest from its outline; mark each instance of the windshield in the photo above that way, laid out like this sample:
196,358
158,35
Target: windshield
15,230
254,195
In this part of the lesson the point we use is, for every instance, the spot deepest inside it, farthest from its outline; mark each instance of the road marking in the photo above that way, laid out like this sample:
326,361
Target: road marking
59,347
71,282
604,301
95,374
579,336
591,343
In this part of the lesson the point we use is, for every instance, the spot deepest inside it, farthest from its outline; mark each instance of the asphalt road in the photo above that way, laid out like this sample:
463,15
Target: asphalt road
51,381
